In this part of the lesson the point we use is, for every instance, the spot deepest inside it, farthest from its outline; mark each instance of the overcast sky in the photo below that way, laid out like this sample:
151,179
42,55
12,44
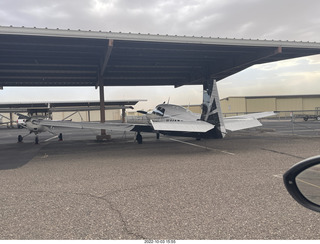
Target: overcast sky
256,19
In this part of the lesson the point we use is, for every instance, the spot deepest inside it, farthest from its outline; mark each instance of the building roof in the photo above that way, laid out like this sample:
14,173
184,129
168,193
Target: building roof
275,96
55,57
67,106
70,104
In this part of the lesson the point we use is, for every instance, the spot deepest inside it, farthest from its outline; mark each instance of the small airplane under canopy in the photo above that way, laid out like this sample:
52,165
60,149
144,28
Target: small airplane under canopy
166,119
41,112
169,119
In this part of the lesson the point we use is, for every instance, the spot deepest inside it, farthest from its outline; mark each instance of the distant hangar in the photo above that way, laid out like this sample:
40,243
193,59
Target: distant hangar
286,105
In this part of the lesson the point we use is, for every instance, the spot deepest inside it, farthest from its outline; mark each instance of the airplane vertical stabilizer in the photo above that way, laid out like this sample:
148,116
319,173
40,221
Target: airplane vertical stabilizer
211,109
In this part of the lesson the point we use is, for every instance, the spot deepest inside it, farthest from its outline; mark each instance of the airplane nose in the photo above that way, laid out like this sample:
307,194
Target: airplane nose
35,122
158,112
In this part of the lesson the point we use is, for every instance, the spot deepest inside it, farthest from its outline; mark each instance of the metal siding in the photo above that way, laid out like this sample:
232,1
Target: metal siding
288,103
285,104
311,103
233,105
194,109
94,115
260,105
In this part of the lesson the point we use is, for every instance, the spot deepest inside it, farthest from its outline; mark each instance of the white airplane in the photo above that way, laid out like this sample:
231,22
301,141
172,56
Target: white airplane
169,119
30,123
34,122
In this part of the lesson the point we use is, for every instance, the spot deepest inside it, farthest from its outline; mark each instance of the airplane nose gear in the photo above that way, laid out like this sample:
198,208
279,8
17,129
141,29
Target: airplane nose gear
60,137
20,138
36,141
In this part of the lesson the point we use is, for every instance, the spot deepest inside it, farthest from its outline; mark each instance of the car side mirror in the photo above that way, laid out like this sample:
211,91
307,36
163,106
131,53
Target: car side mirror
303,182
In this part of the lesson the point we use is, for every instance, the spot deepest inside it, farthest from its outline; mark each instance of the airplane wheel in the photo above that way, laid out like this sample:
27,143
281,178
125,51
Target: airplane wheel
20,138
60,137
36,141
158,135
139,138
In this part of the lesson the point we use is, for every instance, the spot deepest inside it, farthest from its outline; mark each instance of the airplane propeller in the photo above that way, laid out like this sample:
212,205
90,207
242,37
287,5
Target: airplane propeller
154,111
142,112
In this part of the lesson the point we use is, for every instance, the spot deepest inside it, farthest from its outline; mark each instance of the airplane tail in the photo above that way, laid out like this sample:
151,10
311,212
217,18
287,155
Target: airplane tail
211,110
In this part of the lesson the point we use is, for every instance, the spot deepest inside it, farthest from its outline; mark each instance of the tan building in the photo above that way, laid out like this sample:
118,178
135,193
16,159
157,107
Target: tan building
286,105
88,115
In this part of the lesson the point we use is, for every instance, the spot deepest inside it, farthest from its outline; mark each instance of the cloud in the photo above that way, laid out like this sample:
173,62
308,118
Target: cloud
314,59
280,64
290,77
263,19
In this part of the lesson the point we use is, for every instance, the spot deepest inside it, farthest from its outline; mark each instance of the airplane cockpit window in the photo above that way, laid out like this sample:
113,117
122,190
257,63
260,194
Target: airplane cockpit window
161,109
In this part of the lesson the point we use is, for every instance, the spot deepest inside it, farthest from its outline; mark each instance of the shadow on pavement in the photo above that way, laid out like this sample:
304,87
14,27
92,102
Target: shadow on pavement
15,155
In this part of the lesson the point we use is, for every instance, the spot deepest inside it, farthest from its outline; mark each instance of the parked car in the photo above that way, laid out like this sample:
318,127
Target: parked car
21,122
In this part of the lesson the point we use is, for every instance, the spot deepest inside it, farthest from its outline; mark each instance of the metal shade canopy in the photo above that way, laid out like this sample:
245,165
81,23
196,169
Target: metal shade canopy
46,57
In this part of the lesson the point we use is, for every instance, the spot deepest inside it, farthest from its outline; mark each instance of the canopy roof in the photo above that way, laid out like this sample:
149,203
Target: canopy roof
47,57
66,106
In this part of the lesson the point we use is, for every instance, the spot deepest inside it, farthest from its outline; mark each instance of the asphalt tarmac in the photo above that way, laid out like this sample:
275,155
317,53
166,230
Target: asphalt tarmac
168,189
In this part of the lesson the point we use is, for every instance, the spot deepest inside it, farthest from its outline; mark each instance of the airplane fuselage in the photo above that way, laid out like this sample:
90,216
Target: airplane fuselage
34,127
178,118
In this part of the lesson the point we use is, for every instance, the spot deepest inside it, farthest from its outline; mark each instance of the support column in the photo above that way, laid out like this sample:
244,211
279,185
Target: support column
89,119
103,66
11,124
102,110
123,115
103,135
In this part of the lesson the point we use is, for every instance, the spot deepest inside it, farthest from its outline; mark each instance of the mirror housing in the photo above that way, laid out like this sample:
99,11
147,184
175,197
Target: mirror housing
290,181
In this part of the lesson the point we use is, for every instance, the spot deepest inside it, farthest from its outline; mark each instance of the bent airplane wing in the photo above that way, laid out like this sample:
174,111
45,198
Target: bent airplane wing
181,126
88,125
247,121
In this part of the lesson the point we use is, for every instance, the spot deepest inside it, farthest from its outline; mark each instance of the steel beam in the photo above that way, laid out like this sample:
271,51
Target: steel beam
101,90
104,62
123,115
236,68
107,57
11,120
102,109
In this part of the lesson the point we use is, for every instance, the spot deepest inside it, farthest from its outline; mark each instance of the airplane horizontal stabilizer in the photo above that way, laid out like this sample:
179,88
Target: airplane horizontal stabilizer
253,115
89,125
247,121
182,126
241,124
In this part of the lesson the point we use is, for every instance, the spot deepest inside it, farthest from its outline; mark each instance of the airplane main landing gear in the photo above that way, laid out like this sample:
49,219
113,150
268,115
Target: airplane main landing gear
139,138
20,138
36,140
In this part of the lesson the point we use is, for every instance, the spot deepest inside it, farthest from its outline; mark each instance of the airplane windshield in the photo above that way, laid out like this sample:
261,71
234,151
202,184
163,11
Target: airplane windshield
161,109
